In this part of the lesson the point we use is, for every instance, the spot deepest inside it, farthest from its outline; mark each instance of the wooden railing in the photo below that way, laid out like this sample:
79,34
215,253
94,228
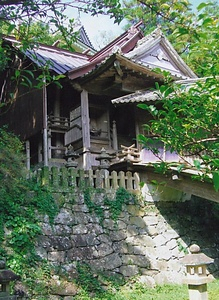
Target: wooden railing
63,178
58,122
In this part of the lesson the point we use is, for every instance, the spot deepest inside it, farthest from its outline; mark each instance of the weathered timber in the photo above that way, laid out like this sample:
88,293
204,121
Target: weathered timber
64,178
185,183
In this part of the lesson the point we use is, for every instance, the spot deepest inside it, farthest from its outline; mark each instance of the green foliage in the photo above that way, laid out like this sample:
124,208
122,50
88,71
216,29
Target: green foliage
87,279
92,206
194,34
96,285
11,161
187,123
23,203
167,14
115,205
137,291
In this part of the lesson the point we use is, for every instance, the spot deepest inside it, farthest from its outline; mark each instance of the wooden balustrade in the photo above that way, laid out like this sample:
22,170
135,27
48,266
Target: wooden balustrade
64,179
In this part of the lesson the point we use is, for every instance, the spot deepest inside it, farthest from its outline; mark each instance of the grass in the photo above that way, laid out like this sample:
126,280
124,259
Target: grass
140,292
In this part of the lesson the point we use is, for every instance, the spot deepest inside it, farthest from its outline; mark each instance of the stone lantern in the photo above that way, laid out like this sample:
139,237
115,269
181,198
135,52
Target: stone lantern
70,156
196,268
6,276
104,159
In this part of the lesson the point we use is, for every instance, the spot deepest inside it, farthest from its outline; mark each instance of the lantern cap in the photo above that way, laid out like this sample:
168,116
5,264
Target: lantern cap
6,275
196,258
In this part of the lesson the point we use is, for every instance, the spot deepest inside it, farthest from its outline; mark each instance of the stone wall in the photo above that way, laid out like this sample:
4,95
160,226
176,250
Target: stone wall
148,239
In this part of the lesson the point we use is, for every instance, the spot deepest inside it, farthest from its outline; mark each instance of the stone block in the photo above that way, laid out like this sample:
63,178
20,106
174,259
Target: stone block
63,288
112,261
82,253
104,238
95,228
121,247
138,221
47,229
160,240
118,235
121,225
62,229
91,239
79,240
171,234
132,230
44,242
150,220
104,250
138,260
61,243
81,218
80,208
139,250
64,217
57,256
151,253
147,280
80,229
109,224
164,253
172,244
152,230
145,240
129,271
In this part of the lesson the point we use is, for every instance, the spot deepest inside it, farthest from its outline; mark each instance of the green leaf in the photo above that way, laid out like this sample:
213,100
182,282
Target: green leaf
197,164
202,5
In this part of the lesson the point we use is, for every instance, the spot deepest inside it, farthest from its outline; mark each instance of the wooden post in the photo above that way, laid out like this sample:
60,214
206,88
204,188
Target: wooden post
122,179
114,180
64,175
28,154
56,110
45,137
90,178
115,138
72,177
85,130
49,144
129,181
136,181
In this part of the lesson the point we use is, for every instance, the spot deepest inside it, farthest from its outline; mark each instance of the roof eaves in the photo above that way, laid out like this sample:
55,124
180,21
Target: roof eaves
89,70
121,42
177,59
138,96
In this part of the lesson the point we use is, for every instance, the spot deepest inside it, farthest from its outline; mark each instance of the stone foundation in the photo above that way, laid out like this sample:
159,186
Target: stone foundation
148,239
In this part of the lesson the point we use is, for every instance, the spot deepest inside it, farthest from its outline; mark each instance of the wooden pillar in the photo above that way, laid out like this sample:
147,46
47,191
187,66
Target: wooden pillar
28,154
49,143
115,138
56,108
45,137
85,119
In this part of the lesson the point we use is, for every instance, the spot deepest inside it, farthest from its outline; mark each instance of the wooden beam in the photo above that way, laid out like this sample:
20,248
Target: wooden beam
185,183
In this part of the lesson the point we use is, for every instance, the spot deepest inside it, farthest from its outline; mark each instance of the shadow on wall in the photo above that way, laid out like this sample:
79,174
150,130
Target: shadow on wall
197,222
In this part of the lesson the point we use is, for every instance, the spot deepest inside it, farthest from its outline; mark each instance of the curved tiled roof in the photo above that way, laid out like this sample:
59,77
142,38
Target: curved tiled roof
139,96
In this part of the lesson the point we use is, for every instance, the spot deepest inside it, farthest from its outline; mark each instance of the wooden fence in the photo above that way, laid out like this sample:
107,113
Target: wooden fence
63,178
